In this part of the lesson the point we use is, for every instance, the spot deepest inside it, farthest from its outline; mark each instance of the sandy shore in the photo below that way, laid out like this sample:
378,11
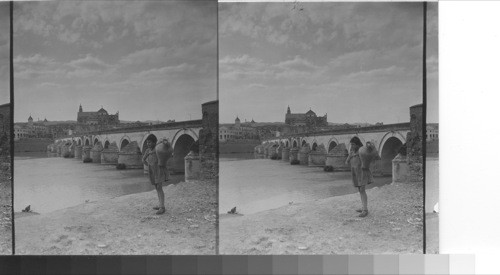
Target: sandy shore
331,226
5,207
127,225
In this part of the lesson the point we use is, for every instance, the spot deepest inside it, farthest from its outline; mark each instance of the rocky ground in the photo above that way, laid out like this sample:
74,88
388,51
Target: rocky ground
5,207
331,226
127,225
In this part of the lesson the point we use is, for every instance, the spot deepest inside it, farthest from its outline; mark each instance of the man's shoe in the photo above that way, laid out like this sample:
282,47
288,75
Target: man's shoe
363,214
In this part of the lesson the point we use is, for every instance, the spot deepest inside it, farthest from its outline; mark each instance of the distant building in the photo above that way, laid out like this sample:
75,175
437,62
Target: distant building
238,131
100,117
32,129
309,119
432,131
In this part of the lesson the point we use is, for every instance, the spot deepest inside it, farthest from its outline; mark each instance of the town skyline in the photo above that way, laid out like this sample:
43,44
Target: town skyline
152,60
357,62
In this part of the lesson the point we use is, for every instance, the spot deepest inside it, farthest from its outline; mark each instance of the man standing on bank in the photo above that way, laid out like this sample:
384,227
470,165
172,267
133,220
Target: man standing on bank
360,170
158,173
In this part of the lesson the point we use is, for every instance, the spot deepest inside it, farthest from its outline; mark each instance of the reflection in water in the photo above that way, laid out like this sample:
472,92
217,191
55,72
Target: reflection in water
254,185
49,184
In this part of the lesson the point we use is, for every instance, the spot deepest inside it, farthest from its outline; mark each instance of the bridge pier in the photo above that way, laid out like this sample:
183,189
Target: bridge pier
400,169
192,167
95,153
58,148
131,156
64,150
272,151
110,155
279,152
72,150
294,154
317,157
336,158
86,152
78,152
285,154
304,154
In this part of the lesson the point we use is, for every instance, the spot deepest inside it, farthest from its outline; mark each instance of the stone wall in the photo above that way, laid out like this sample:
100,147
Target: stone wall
209,141
5,129
414,144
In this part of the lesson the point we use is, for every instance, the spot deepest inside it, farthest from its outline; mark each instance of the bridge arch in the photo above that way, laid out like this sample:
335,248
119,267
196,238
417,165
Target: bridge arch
78,141
389,148
287,143
332,143
96,140
106,144
295,143
303,143
183,145
181,132
387,136
87,141
124,141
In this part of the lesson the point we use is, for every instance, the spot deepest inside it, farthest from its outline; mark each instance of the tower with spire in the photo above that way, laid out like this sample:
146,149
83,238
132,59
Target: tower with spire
237,122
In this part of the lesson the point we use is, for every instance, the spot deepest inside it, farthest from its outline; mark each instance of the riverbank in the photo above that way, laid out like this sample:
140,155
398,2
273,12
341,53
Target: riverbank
331,225
127,225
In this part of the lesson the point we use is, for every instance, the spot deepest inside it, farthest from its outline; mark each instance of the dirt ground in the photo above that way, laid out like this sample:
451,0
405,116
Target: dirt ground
5,207
432,233
126,225
331,226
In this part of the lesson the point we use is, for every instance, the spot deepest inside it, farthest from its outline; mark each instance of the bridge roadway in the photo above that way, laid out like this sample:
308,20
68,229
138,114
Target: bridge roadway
388,139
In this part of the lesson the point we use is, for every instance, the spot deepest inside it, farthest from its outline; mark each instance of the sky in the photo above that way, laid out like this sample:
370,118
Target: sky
4,53
149,60
356,62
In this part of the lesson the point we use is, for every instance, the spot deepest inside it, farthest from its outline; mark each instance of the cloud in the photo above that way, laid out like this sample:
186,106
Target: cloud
164,72
298,64
145,56
89,62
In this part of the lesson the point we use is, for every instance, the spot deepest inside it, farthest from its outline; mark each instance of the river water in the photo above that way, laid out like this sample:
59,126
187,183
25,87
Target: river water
49,184
255,185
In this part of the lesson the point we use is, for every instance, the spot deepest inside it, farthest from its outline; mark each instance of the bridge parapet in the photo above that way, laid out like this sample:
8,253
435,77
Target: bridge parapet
147,128
368,129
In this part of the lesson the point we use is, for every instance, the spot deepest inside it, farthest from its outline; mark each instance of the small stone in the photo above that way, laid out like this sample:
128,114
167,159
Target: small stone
200,246
193,226
102,245
303,247
396,229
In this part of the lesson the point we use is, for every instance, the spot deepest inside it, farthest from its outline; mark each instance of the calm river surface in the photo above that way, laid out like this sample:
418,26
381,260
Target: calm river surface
49,184
254,185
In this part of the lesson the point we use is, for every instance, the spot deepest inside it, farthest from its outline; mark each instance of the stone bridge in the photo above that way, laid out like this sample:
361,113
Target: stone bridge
330,148
126,145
